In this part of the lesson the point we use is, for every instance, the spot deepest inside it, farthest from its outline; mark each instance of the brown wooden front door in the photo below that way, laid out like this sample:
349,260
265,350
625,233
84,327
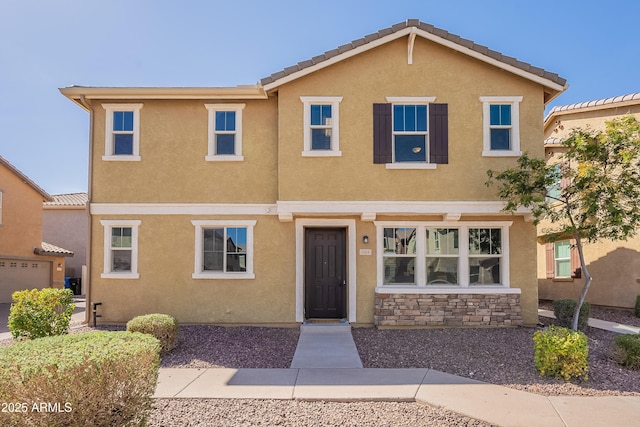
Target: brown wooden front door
325,278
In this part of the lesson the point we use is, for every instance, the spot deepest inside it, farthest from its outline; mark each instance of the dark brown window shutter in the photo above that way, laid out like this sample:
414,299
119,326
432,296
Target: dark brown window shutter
576,268
439,133
382,134
551,261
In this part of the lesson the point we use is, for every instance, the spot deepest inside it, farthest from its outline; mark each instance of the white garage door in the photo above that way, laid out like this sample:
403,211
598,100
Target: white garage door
16,275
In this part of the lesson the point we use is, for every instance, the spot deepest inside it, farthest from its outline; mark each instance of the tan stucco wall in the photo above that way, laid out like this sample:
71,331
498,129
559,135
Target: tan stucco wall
67,228
21,228
614,266
367,79
166,263
173,145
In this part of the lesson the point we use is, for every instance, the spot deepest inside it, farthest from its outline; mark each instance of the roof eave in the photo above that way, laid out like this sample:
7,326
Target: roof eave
75,93
555,88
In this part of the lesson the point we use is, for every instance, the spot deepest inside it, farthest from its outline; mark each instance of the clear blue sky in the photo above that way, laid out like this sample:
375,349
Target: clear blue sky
48,44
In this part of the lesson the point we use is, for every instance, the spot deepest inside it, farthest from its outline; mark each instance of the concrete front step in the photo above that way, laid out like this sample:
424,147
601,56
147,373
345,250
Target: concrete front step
325,327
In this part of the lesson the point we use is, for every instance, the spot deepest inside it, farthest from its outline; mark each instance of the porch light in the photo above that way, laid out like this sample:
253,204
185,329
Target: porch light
365,239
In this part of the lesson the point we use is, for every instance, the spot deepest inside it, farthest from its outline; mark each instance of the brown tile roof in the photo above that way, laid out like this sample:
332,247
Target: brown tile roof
25,179
49,249
68,200
606,102
443,36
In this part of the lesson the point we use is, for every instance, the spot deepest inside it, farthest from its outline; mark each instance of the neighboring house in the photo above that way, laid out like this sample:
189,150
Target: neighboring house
614,266
348,186
65,221
26,262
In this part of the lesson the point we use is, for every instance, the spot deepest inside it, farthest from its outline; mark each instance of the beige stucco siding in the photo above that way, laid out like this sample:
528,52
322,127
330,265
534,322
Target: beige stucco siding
173,146
166,248
21,228
166,261
614,266
368,78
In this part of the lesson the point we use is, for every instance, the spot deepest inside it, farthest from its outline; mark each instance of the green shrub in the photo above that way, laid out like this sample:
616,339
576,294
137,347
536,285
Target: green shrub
90,379
626,350
161,326
40,313
564,309
638,306
561,353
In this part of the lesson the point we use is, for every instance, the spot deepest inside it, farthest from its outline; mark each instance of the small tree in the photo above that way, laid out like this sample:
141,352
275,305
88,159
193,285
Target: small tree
600,193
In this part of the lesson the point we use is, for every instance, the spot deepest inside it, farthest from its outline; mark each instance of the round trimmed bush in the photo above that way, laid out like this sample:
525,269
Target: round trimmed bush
96,378
161,326
626,350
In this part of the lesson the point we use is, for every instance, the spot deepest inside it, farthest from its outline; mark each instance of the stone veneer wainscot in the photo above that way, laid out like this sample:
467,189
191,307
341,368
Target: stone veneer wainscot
498,310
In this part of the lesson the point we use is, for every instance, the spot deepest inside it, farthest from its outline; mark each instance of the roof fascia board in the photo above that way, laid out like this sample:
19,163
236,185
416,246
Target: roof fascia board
477,55
25,179
240,92
338,58
427,35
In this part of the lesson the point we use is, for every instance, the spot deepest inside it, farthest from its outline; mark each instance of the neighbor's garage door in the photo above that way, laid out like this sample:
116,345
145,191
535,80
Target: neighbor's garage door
16,275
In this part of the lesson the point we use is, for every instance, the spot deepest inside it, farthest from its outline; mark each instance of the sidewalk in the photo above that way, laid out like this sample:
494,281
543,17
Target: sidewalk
490,403
600,324
326,366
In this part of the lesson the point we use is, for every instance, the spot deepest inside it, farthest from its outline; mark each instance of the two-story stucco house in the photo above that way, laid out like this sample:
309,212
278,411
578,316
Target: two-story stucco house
26,262
348,186
614,266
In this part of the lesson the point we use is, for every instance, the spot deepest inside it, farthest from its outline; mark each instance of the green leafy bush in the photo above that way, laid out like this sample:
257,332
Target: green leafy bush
564,309
561,353
626,350
40,313
90,379
161,326
638,306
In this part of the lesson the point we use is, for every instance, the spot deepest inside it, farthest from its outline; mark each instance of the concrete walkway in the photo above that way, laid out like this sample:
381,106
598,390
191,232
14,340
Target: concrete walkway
600,324
326,366
326,346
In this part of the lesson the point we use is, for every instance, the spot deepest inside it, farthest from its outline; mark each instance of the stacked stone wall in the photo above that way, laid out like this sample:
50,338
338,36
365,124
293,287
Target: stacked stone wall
462,310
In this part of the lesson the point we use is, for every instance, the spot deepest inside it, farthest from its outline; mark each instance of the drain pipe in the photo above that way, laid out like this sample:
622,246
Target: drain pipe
95,313
91,111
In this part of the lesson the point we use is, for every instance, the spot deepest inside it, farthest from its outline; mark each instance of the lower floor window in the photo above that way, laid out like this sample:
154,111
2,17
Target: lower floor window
120,249
224,249
427,254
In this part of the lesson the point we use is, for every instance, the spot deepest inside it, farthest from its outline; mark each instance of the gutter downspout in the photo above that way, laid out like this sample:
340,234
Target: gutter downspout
87,312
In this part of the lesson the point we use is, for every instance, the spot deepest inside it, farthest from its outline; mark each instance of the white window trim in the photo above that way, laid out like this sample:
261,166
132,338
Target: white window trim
211,151
334,101
108,226
108,136
412,100
514,101
420,285
200,225
0,208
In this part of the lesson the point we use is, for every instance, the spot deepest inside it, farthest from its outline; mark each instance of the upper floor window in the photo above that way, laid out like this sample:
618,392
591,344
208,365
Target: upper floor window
122,132
225,132
410,133
501,125
321,122
120,249
0,207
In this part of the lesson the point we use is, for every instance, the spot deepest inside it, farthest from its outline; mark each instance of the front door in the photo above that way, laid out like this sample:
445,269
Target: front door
325,278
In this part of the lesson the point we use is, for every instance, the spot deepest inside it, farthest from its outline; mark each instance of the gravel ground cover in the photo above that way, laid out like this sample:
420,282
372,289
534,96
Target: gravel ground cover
498,356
